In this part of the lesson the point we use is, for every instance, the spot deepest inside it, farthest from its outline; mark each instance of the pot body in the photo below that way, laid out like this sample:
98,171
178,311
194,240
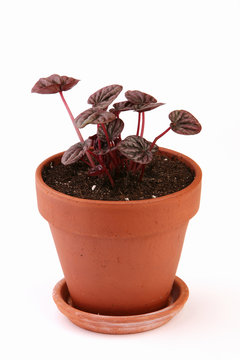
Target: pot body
119,257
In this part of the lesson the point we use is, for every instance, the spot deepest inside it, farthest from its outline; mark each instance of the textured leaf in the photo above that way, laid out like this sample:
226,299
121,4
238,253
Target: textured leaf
87,117
105,96
94,116
123,106
76,152
147,107
54,84
114,111
114,129
182,122
137,149
139,98
140,101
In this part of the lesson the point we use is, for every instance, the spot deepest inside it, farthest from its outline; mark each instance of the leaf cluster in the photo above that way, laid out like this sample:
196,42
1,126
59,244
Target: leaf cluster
107,148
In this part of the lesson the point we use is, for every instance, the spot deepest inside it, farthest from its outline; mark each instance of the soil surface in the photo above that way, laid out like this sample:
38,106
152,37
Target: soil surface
161,177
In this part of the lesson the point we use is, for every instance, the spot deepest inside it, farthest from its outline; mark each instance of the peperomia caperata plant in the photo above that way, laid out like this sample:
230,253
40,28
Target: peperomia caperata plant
106,152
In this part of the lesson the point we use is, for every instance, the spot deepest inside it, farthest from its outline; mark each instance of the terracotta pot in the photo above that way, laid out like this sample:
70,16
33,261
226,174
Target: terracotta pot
119,257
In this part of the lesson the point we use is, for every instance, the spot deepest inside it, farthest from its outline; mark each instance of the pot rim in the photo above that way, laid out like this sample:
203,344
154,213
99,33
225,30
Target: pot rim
187,160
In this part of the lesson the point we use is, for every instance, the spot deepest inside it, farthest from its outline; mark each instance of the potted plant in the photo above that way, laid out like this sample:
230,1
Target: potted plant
118,210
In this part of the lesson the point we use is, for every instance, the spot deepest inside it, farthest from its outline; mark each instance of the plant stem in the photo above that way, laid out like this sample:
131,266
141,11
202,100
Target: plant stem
86,162
139,167
143,123
71,117
113,156
139,122
142,172
105,169
134,168
158,137
75,127
99,144
106,134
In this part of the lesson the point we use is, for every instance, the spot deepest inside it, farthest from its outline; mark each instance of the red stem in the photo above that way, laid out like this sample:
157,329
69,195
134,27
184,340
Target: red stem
158,137
106,170
113,156
109,176
86,162
134,168
95,156
106,134
75,127
99,144
130,166
143,123
139,167
142,172
139,122
71,117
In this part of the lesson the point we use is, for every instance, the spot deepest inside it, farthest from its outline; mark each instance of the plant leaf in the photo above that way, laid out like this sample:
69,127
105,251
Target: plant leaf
123,106
114,129
87,117
76,152
105,96
54,84
137,149
139,98
94,115
147,107
141,101
182,122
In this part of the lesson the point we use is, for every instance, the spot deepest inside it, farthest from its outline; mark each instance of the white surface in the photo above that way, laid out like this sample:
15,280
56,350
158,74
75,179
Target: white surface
185,53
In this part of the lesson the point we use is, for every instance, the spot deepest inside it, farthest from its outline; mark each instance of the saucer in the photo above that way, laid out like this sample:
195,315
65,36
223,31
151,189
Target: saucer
121,324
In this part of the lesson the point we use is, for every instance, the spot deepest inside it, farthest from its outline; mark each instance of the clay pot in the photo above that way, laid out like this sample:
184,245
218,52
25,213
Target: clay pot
119,257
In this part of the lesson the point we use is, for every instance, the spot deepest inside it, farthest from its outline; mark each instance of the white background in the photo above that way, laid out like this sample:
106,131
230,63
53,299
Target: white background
185,53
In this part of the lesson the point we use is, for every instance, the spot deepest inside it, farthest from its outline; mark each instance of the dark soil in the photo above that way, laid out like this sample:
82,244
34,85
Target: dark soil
162,176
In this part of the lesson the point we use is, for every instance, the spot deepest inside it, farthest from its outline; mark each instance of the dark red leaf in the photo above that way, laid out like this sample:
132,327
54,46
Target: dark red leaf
54,84
114,129
76,152
94,116
139,98
123,106
182,122
105,96
115,112
147,107
140,101
137,149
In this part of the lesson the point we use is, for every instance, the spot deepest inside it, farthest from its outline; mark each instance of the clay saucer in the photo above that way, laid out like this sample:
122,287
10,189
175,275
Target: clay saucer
121,324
